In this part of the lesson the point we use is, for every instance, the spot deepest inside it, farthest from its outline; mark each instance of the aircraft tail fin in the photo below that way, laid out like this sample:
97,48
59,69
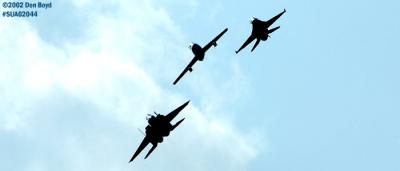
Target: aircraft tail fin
179,122
274,29
151,150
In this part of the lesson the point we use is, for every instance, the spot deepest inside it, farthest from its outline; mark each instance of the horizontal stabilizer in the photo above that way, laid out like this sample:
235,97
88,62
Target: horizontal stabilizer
179,122
151,150
272,30
255,45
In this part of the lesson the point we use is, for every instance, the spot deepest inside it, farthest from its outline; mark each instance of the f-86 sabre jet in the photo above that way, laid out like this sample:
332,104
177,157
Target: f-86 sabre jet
260,31
199,52
159,127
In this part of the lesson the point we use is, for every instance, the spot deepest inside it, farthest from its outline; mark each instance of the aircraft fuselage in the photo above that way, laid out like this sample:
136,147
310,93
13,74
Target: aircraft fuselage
198,52
259,31
158,128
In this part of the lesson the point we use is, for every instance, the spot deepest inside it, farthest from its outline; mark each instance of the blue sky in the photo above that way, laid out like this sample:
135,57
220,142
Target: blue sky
321,94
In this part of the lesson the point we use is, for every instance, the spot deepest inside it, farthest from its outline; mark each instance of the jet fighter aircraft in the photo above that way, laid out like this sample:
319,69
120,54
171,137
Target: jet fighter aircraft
159,127
260,31
199,52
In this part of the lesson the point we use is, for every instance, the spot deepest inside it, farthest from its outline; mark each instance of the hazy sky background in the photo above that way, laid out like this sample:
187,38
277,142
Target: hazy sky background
321,94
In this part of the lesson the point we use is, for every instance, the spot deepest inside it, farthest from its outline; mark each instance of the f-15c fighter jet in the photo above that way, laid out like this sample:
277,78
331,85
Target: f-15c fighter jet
159,127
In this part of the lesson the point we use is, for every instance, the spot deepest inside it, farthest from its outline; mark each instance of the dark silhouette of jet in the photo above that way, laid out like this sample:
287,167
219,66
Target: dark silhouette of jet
159,127
260,31
199,52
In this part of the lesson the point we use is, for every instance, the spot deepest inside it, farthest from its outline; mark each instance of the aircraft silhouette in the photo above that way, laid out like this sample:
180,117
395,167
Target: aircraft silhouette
199,52
260,31
159,127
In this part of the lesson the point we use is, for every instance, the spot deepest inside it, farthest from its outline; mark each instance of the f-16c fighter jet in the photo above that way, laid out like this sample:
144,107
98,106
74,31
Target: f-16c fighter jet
260,31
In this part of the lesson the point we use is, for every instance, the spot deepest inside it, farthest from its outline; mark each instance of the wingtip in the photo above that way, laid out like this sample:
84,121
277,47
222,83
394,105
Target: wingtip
187,102
284,10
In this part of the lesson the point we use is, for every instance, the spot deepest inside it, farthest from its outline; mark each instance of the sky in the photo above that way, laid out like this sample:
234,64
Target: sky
322,94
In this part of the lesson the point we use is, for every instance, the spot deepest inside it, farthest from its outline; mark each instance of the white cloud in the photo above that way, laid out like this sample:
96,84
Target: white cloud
77,106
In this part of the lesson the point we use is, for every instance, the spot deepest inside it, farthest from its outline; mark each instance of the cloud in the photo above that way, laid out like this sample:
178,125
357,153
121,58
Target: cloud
76,105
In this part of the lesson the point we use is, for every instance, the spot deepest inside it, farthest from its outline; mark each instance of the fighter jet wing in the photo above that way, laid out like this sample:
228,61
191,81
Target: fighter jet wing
140,148
214,41
189,67
247,42
273,19
172,114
